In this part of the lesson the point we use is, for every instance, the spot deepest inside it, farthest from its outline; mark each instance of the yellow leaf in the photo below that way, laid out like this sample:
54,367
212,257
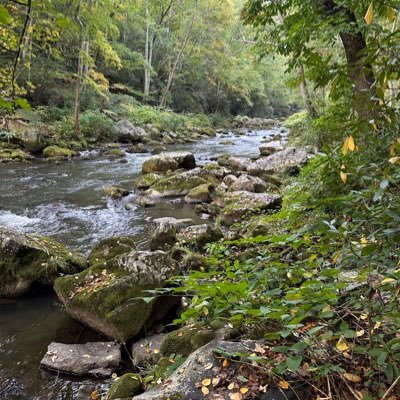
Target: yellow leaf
205,391
95,395
385,83
342,345
395,160
360,333
352,145
231,386
244,390
259,349
206,382
345,148
225,363
216,381
208,366
388,280
343,177
352,377
336,257
283,384
364,241
156,351
390,14
369,16
236,396
205,311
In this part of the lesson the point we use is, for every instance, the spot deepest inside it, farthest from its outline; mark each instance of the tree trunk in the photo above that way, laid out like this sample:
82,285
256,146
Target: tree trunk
77,129
305,94
147,67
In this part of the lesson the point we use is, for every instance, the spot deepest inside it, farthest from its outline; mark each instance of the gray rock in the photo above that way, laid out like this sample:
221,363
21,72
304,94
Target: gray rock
129,133
248,183
147,351
183,383
199,235
288,160
145,201
178,223
200,194
32,140
234,163
164,237
266,150
100,358
165,162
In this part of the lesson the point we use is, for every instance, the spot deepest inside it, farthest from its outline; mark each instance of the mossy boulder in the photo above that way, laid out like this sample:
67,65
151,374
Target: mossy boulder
115,153
186,340
108,298
197,236
107,249
200,194
165,162
181,183
114,192
164,237
125,387
58,152
237,204
15,154
28,259
145,181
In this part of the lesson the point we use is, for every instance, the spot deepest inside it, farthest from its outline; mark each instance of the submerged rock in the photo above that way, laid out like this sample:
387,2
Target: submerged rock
115,193
165,162
289,160
108,298
145,181
145,201
98,359
28,259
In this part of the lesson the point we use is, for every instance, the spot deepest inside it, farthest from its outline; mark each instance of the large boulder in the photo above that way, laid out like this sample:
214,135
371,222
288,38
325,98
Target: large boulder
248,183
234,163
165,162
200,194
183,384
164,237
32,141
109,297
98,359
28,259
289,160
181,183
236,204
197,236
129,133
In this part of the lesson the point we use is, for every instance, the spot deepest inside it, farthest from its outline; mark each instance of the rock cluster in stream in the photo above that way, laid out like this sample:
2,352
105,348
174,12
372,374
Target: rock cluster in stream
111,292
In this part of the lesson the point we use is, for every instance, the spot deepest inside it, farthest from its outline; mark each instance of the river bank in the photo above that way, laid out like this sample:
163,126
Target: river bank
77,213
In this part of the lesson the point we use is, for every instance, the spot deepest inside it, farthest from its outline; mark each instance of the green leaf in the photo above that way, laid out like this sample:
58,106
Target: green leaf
22,103
5,16
293,363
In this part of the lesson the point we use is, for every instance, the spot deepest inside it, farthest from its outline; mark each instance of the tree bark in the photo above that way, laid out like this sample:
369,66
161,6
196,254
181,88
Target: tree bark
305,94
147,67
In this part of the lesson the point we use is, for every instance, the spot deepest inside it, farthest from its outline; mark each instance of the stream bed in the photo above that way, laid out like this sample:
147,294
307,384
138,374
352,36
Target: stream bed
67,202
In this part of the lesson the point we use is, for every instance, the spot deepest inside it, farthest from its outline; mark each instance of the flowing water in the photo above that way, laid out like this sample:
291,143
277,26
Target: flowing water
67,202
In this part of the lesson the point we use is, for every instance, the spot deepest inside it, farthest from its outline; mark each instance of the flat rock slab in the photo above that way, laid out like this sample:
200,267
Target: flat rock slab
99,359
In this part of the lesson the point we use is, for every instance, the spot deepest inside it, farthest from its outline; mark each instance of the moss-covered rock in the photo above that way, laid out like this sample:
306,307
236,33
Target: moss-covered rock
125,387
186,340
114,192
109,248
32,140
181,183
59,152
200,194
14,154
197,236
108,298
237,204
145,181
28,259
115,153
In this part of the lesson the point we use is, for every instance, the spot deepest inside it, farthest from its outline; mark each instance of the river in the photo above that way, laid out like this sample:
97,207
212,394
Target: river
67,202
